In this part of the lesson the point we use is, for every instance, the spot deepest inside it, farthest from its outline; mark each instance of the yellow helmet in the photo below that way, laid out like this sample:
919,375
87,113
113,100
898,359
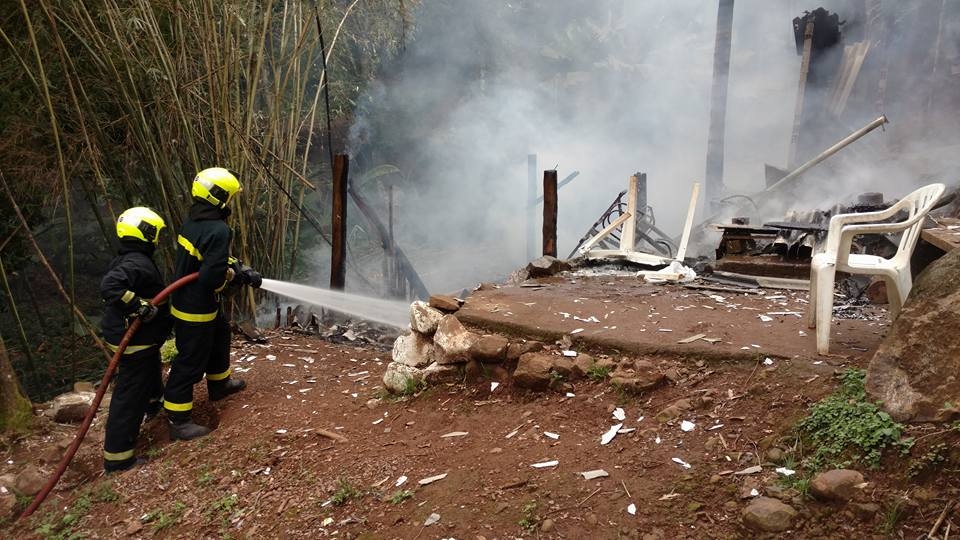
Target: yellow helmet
215,185
141,223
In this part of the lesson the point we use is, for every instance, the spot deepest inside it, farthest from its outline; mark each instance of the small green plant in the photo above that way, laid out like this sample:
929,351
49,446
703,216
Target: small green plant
344,493
54,528
206,478
168,351
598,372
105,493
413,385
892,517
528,517
934,457
162,520
401,495
556,377
845,427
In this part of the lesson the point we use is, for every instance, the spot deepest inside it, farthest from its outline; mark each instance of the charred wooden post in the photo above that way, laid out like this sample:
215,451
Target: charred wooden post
276,322
718,104
289,316
338,267
550,213
628,234
530,206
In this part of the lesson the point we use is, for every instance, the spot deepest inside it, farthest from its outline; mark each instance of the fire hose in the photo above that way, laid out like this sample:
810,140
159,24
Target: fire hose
111,367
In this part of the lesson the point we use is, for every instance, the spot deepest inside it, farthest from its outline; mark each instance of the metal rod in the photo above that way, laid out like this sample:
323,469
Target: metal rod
713,177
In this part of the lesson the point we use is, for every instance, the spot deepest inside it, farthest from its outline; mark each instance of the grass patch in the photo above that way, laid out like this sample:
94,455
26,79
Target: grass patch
62,527
162,520
528,517
845,428
105,493
400,495
345,491
597,372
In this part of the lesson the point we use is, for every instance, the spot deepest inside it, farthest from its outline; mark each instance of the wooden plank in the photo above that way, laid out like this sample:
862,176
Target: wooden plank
338,246
627,236
637,257
801,89
941,237
682,251
550,213
603,233
859,54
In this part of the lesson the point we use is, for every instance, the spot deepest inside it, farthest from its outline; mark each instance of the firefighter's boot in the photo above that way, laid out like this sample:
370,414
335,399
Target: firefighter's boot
218,390
183,429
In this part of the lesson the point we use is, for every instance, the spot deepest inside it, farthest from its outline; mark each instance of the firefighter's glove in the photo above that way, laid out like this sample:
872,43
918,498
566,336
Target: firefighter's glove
249,276
145,311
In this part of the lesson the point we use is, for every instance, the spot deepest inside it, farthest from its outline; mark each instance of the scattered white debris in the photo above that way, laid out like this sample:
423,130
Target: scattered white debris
455,434
354,394
268,357
571,394
288,365
802,333
640,419
687,425
512,433
281,431
326,521
400,481
749,470
626,430
3,490
664,330
717,426
545,464
632,509
764,318
377,421
576,330
818,362
610,434
767,362
681,462
357,374
431,519
657,440
785,471
493,386
754,492
596,473
569,353
619,414
669,496
551,435
754,345
432,479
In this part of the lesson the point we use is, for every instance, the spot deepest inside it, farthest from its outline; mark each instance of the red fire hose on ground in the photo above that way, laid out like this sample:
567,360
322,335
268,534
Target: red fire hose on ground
85,426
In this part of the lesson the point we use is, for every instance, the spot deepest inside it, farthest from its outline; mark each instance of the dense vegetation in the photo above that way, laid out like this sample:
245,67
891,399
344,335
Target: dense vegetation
105,105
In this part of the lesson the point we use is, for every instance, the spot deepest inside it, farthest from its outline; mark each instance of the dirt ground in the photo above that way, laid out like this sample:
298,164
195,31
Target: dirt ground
313,448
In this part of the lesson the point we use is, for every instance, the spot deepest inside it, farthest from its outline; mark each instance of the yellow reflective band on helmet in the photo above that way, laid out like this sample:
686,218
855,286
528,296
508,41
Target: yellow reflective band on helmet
189,247
177,407
127,297
118,456
218,376
130,348
192,317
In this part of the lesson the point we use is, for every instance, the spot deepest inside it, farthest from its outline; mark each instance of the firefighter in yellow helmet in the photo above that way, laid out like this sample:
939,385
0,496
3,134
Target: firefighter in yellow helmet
202,329
126,289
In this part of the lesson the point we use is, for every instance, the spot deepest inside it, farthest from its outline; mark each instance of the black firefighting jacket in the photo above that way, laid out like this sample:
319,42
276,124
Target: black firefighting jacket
203,246
133,275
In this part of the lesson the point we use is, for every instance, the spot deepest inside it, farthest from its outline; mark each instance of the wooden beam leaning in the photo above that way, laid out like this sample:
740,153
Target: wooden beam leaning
550,213
338,247
628,234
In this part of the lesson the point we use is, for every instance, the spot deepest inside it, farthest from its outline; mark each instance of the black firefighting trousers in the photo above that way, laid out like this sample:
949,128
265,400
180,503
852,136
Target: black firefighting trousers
202,348
138,387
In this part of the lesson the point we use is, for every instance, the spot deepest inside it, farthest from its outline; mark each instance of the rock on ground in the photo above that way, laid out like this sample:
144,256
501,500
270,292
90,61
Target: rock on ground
533,371
768,515
914,371
453,340
489,348
836,485
546,266
30,481
445,302
414,349
400,378
423,318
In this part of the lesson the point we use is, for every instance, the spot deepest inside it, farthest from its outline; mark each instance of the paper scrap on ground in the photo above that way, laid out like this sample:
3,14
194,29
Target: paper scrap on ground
619,414
551,434
493,386
718,426
764,318
400,481
545,464
596,473
431,519
669,496
576,330
750,470
691,339
785,471
681,462
569,353
623,431
687,425
326,521
632,509
455,434
610,434
767,362
432,479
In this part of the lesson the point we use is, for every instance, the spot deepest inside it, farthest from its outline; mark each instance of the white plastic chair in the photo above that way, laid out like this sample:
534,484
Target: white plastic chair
895,271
